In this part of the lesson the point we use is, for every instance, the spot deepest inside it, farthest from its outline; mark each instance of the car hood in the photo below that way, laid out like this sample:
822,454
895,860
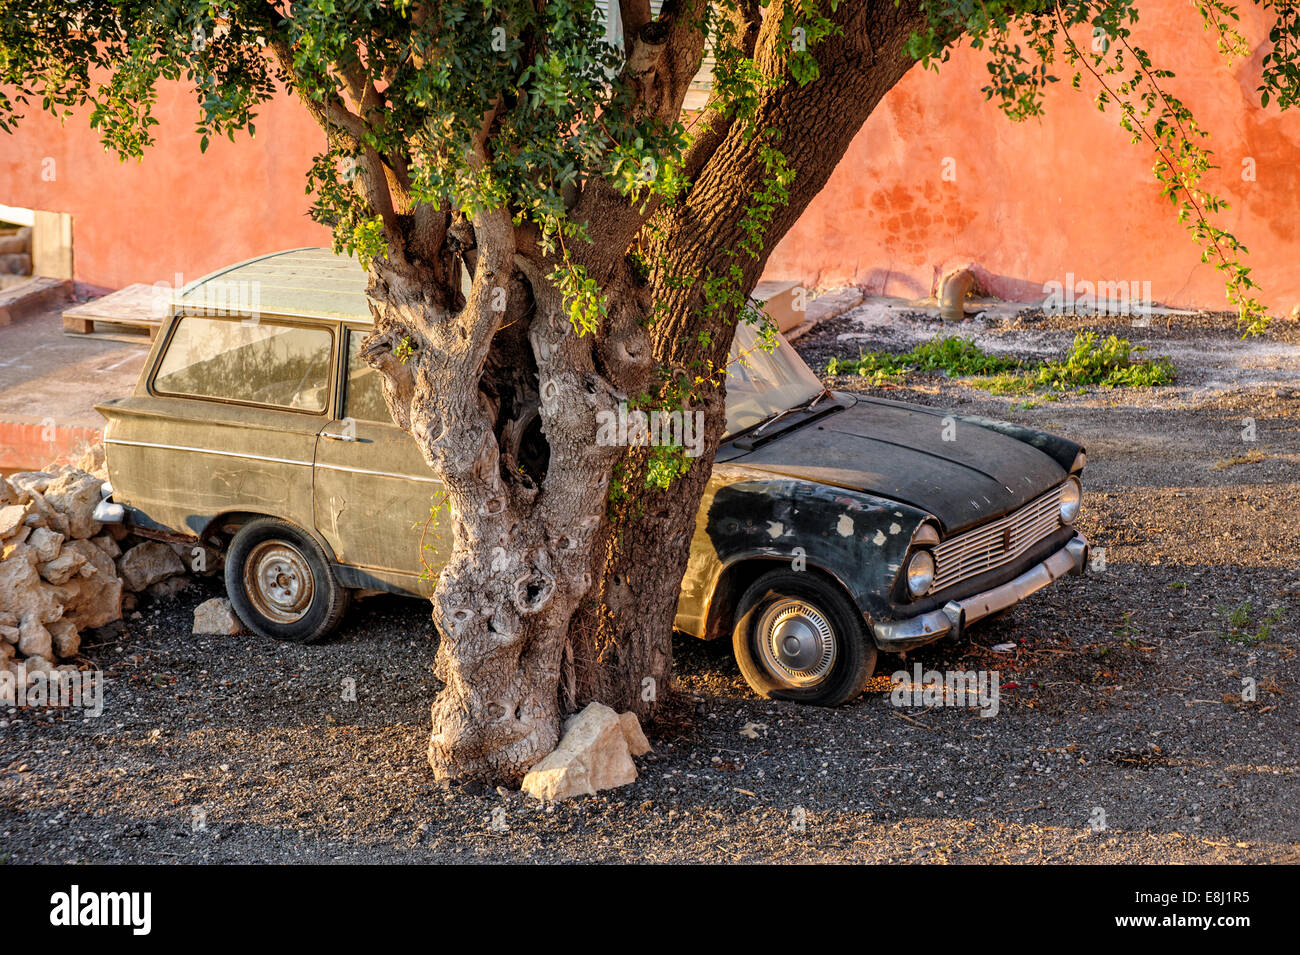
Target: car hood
955,469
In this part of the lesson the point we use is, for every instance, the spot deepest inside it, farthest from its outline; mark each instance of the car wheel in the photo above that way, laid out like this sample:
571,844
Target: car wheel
798,637
280,583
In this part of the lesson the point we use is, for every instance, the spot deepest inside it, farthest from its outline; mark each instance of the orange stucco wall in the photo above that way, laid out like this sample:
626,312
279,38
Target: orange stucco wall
1025,203
177,211
1030,203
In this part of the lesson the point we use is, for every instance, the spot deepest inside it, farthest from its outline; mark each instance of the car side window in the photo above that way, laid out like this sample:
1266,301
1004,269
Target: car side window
285,366
364,396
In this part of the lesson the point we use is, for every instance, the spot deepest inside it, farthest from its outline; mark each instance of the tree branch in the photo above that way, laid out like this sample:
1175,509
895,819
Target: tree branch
334,118
712,124
635,15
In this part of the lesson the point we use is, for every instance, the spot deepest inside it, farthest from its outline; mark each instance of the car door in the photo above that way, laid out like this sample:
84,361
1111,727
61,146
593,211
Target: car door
376,501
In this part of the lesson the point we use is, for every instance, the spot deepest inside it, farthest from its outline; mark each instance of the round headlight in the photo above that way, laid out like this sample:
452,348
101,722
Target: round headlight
920,573
1071,496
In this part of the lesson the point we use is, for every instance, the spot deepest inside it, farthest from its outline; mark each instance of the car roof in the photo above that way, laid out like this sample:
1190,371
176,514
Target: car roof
310,282
297,283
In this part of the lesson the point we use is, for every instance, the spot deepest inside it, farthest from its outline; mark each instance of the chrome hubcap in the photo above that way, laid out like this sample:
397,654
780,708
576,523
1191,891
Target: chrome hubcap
796,643
279,581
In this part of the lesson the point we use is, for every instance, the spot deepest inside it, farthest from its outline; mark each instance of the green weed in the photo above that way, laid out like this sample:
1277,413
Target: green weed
1111,362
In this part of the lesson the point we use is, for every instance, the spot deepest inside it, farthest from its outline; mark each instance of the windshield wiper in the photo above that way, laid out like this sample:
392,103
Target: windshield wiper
805,406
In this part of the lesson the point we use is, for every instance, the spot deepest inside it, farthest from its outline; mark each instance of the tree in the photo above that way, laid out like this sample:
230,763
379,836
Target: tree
612,243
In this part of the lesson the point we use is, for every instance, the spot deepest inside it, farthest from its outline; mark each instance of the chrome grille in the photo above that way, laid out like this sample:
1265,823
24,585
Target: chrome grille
989,546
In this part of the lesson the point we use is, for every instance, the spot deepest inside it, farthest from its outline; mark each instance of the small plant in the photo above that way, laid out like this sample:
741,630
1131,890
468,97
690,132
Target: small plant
1237,616
958,357
1265,630
404,350
667,463
1004,384
879,367
1108,363
1127,632
1239,623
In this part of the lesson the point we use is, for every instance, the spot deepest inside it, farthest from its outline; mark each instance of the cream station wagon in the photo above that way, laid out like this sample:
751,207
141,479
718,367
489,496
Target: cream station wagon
834,525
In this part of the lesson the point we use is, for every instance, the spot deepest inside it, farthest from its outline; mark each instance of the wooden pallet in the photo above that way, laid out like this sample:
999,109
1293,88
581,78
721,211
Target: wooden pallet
134,307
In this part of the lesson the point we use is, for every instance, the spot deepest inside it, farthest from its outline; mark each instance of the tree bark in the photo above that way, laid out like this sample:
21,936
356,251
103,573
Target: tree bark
468,383
551,598
622,634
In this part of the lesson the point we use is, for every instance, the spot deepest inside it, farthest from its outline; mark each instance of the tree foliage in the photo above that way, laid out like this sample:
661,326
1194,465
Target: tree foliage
410,91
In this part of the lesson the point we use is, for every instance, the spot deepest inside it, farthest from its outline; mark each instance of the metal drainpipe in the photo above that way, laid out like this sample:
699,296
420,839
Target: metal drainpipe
953,289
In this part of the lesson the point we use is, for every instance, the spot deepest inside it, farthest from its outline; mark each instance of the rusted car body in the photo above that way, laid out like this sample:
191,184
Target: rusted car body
833,525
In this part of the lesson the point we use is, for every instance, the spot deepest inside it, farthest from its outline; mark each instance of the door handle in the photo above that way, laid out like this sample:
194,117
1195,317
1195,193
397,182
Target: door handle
338,437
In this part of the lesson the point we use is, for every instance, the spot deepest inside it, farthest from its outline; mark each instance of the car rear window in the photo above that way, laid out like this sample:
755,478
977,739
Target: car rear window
364,398
264,363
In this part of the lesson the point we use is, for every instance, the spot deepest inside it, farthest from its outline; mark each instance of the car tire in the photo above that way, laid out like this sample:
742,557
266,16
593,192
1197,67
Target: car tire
798,637
280,583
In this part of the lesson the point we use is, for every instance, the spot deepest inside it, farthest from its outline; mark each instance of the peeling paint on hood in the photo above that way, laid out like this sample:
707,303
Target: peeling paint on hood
902,452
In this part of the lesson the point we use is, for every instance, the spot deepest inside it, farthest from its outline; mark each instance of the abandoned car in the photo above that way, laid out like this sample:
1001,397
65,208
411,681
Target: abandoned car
834,525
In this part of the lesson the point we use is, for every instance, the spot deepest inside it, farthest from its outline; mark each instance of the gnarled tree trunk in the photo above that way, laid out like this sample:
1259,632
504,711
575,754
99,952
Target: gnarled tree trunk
551,597
623,631
523,524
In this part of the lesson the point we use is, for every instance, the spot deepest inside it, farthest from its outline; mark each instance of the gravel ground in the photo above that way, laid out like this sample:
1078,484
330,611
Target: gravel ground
1121,701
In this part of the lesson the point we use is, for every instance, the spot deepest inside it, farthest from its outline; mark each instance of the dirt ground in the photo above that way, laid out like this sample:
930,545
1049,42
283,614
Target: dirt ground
1122,734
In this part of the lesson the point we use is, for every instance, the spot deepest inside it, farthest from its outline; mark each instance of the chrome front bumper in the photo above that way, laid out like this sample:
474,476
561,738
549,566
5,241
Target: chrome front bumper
952,618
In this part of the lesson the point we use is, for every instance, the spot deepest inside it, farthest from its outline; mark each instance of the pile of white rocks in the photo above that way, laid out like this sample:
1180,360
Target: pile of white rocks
61,572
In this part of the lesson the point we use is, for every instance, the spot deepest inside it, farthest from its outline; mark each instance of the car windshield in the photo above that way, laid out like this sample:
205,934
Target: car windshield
761,383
